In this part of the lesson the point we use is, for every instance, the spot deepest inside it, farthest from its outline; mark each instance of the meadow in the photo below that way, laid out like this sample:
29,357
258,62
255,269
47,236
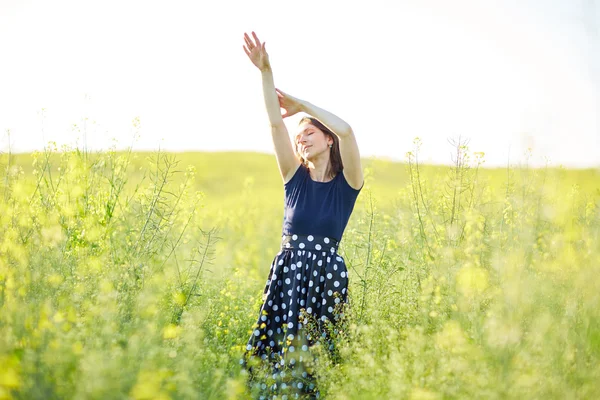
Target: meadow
130,275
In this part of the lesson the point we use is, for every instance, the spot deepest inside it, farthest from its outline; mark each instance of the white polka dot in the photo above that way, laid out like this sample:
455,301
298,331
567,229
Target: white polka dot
291,349
329,276
315,272
280,262
314,257
330,292
339,259
283,306
305,348
335,267
274,277
298,276
275,307
337,300
336,284
328,259
318,246
310,238
270,303
299,252
290,313
290,325
303,292
332,250
314,300
343,290
270,332
310,284
330,309
322,278
309,309
293,267
343,274
272,343
290,336
301,245
256,332
302,301
317,289
298,288
263,318
326,240
287,281
285,270
290,292
319,263
295,237
249,347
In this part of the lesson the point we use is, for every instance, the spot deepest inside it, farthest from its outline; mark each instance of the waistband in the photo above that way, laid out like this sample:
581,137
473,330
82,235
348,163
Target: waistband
309,242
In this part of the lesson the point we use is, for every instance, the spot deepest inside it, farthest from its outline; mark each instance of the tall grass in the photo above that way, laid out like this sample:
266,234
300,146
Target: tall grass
138,275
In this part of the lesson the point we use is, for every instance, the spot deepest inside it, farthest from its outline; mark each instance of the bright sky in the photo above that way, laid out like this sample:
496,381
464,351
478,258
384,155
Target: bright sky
507,74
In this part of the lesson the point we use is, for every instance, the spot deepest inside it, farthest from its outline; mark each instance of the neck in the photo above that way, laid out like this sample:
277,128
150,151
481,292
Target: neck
318,169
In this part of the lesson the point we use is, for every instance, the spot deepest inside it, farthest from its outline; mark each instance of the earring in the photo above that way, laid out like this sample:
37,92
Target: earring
330,146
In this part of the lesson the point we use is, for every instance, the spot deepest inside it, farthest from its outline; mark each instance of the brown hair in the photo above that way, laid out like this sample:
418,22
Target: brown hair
335,158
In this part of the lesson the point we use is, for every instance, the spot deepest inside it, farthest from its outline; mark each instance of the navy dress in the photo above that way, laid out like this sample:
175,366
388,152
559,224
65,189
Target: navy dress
305,289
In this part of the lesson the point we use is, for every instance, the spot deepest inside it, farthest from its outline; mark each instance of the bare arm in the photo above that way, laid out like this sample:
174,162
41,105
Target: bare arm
348,145
284,152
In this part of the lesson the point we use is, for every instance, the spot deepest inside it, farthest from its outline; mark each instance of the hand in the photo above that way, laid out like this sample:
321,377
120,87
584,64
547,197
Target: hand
291,104
256,52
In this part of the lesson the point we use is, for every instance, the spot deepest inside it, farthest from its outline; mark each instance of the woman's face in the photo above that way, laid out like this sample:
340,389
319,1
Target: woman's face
311,141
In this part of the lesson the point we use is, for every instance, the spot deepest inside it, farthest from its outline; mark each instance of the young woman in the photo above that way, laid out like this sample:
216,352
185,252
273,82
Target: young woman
308,280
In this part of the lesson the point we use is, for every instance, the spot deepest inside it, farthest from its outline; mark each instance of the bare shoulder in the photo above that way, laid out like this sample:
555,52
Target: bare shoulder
292,171
351,158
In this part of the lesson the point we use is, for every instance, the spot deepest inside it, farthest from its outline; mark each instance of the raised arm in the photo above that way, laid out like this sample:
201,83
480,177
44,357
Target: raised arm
348,146
284,152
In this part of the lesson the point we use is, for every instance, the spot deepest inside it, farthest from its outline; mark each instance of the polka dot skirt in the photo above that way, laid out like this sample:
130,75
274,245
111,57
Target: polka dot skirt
303,301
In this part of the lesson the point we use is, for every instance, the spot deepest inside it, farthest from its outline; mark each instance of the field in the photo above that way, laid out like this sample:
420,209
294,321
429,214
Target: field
127,275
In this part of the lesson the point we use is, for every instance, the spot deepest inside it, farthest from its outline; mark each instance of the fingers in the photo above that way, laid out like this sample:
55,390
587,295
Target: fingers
256,38
248,42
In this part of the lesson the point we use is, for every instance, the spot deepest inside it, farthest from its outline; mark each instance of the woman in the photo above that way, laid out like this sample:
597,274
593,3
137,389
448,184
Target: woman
308,280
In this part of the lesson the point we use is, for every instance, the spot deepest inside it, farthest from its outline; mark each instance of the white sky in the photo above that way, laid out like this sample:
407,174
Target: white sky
507,74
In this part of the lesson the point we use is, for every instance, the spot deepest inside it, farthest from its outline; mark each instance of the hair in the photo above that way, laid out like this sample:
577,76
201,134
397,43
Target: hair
335,158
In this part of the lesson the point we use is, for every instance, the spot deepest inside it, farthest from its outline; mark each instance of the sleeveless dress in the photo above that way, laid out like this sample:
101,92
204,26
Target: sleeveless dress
305,291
